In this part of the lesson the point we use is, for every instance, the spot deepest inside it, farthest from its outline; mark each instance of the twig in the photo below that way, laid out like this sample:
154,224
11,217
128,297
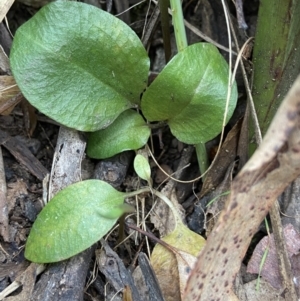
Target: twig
150,27
206,38
240,14
284,263
164,16
150,235
4,230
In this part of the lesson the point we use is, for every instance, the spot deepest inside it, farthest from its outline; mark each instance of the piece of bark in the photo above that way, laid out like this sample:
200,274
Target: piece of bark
13,269
290,205
4,227
4,61
110,264
23,155
274,165
154,290
284,264
66,166
226,156
214,209
27,280
5,36
140,283
151,26
65,281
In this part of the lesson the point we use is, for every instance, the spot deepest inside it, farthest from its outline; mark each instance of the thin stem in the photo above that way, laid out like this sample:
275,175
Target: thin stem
159,195
164,16
202,157
137,192
157,125
177,17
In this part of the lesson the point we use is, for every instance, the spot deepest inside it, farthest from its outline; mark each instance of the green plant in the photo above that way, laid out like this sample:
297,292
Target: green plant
89,73
276,60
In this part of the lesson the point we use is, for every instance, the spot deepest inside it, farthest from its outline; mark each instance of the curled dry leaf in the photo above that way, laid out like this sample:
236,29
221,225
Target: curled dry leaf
162,216
270,271
172,266
273,166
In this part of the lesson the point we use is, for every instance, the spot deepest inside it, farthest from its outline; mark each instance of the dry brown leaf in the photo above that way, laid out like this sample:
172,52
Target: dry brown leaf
9,92
226,156
185,263
4,60
270,271
273,166
219,197
14,191
26,280
140,283
29,116
265,292
172,268
162,216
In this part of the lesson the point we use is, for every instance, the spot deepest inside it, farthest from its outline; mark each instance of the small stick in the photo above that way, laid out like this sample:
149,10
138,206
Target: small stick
240,14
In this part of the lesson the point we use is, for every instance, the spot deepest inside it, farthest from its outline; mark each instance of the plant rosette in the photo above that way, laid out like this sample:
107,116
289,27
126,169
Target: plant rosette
89,73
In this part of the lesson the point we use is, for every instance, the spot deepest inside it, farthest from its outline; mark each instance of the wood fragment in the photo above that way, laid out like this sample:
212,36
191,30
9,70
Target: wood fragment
23,155
4,8
154,290
113,268
284,263
4,229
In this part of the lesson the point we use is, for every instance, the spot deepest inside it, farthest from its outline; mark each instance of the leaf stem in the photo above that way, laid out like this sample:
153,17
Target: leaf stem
157,125
178,23
159,195
202,158
164,16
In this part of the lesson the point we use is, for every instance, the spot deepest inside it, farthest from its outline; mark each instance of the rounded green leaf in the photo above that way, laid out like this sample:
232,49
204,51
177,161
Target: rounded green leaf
142,167
77,217
79,65
128,132
190,94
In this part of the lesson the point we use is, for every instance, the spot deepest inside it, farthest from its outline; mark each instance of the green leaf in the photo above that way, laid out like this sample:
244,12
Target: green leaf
77,217
190,94
79,65
129,131
142,167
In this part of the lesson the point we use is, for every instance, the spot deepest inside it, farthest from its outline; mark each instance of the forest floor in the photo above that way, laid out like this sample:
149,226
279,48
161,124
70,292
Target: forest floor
32,146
